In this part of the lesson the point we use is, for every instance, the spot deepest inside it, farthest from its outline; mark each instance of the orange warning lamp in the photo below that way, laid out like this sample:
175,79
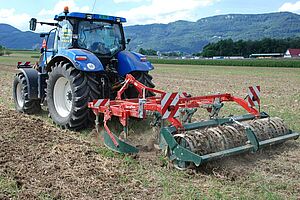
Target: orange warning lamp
66,9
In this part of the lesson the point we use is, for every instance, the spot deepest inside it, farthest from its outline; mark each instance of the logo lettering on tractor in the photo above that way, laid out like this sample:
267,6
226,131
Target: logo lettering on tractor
91,66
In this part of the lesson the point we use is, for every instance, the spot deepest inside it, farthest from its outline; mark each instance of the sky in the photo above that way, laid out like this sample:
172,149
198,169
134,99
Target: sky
18,12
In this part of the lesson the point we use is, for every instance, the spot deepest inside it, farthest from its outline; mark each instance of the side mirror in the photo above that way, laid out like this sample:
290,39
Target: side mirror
32,24
128,40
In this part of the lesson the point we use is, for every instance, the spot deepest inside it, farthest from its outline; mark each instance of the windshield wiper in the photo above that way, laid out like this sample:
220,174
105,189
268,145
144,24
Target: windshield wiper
94,28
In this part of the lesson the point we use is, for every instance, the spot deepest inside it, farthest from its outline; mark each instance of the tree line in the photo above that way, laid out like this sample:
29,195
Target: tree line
152,52
244,48
4,51
149,52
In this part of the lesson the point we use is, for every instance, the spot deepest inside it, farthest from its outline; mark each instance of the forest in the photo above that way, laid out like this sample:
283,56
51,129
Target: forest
244,48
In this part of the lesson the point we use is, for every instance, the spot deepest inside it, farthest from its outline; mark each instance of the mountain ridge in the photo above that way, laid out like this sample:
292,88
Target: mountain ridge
197,34
182,35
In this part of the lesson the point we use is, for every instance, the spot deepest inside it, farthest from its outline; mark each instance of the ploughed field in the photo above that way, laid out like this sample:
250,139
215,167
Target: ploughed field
41,161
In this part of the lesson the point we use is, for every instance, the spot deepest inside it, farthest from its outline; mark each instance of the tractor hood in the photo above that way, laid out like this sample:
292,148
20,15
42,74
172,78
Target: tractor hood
132,61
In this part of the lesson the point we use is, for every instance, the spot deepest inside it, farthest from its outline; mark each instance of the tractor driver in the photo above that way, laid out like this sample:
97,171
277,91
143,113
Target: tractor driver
99,47
91,38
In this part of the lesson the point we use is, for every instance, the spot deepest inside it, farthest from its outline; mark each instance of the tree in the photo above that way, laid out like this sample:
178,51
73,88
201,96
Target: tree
7,52
4,51
149,52
1,50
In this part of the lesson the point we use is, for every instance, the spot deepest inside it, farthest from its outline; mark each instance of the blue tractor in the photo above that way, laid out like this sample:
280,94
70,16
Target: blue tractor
88,61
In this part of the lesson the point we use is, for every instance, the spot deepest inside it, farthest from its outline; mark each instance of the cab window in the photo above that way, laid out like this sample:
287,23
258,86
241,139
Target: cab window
65,35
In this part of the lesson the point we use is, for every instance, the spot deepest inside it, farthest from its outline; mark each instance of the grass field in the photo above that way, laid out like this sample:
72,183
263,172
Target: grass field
40,161
19,56
290,63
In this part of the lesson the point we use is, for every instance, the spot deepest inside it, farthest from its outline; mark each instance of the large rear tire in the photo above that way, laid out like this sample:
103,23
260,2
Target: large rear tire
68,93
144,78
21,96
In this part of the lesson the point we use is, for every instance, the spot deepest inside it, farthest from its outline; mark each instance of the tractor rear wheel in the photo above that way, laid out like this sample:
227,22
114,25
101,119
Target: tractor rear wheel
21,96
144,78
68,93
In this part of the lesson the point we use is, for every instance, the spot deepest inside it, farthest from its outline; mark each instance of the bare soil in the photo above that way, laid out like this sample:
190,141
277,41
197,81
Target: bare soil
44,159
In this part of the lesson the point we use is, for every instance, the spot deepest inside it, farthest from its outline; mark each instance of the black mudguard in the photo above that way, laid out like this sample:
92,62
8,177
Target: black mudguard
32,77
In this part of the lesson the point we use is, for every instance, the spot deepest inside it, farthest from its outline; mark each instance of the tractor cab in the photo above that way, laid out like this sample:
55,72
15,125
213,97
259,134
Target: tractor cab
99,34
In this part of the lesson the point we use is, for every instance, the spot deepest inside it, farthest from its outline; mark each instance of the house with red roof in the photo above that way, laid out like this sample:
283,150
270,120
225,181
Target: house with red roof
292,53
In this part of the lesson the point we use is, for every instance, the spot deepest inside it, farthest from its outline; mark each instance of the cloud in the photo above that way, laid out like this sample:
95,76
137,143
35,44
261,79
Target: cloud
165,11
21,20
127,1
47,15
217,12
9,16
152,11
291,7
59,6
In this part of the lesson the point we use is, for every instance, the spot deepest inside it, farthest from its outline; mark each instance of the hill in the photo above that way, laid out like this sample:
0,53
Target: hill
192,36
13,38
185,36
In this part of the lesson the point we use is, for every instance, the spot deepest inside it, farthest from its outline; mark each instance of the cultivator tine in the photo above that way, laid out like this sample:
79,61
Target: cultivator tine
122,146
114,143
111,141
112,137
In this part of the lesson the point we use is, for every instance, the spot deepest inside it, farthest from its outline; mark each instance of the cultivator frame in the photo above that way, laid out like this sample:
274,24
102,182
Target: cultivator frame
170,107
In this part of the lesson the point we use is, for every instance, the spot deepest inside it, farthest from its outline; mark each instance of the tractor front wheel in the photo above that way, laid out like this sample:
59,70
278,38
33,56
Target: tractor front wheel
68,93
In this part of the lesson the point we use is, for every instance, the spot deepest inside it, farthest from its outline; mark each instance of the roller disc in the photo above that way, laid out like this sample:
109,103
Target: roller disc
269,128
210,140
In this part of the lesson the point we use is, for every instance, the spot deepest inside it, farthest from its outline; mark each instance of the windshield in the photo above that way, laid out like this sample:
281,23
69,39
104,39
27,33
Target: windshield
99,37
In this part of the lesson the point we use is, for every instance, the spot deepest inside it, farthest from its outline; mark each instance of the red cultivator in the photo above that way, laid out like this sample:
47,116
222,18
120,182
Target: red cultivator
192,143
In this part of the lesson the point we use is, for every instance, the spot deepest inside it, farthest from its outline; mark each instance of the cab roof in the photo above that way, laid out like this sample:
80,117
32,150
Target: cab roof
88,16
